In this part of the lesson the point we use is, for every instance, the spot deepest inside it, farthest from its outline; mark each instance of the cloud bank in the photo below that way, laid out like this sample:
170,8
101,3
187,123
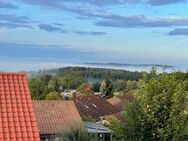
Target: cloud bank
179,31
59,4
93,33
50,28
13,21
4,5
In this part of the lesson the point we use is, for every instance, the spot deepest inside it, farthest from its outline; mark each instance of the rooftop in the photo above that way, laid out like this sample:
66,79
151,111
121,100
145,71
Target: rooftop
55,115
94,106
119,101
93,127
17,119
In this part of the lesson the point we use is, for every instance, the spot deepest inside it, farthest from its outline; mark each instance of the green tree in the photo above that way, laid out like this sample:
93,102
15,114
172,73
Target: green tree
45,79
119,85
75,133
71,80
53,96
107,89
54,84
130,86
115,125
157,114
36,89
96,86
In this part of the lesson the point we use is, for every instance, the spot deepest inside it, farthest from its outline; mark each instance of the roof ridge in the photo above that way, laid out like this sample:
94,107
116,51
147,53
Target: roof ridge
13,73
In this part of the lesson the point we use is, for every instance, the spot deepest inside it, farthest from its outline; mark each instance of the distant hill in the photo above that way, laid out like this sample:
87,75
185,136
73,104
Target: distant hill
90,74
100,71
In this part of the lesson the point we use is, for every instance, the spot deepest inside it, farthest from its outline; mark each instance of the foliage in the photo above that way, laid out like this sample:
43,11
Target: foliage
53,96
71,80
96,86
107,89
158,113
37,89
54,84
88,118
75,133
131,85
94,74
120,85
114,124
84,89
45,79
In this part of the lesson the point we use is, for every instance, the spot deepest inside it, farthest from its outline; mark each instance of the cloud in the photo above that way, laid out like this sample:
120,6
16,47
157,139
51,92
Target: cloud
32,50
136,21
164,2
59,24
105,18
14,18
60,4
13,25
179,31
90,33
7,5
13,21
51,28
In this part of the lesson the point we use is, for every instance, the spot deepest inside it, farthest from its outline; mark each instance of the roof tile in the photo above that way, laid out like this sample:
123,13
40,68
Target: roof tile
16,109
119,101
94,106
55,115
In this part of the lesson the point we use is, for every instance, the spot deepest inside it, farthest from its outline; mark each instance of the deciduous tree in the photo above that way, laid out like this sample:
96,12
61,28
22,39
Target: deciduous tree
158,113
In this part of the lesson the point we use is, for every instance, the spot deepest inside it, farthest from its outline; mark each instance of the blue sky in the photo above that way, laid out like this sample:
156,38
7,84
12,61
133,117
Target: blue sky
48,33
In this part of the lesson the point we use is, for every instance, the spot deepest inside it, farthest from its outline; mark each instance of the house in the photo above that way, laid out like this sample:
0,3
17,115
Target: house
94,106
101,132
119,101
54,116
17,119
69,93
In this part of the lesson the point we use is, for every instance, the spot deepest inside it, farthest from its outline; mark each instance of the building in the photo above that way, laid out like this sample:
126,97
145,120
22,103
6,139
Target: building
119,101
17,119
94,106
100,132
54,116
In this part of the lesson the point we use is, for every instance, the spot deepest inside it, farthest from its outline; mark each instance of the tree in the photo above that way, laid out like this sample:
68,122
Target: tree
157,113
36,89
54,84
96,86
53,96
107,89
114,124
45,79
85,89
119,85
131,85
75,133
71,80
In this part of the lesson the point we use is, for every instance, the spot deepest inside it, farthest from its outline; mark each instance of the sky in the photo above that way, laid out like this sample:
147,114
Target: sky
36,34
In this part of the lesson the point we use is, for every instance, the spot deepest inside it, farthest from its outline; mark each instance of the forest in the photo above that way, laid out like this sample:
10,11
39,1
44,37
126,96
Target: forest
86,80
45,82
90,74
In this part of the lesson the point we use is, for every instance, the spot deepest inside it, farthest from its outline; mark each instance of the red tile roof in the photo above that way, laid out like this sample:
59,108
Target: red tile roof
119,101
17,119
94,106
55,115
